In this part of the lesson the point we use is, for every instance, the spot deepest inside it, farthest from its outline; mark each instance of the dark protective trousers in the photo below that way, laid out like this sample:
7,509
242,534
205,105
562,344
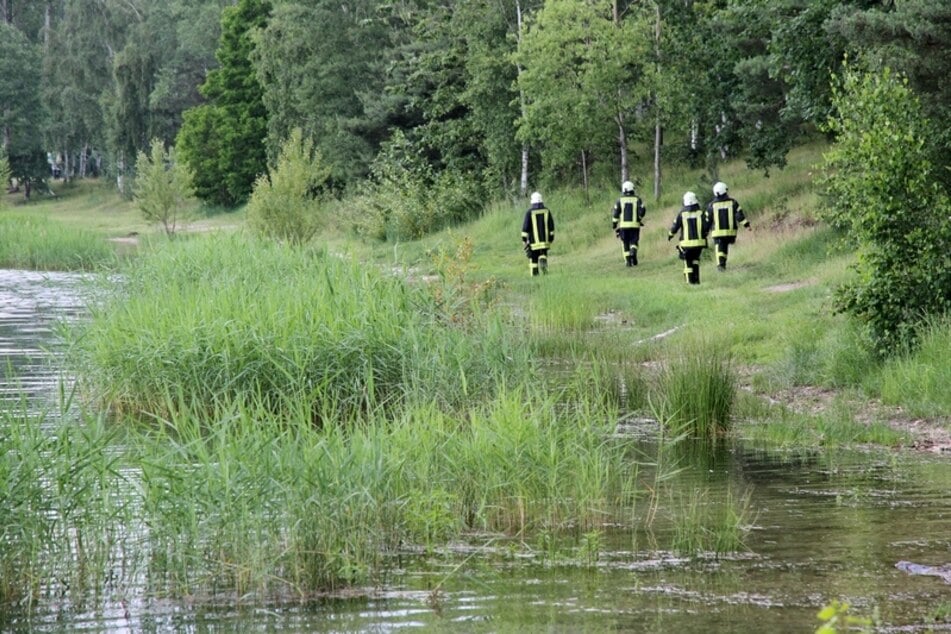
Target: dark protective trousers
721,247
537,260
630,239
691,258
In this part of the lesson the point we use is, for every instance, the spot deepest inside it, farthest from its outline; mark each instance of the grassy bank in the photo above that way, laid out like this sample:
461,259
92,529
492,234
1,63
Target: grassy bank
294,420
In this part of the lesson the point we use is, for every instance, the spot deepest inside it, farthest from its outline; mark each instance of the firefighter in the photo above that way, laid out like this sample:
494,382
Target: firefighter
725,216
627,219
538,232
693,225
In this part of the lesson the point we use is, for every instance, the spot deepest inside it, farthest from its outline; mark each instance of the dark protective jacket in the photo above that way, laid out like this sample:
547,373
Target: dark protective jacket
725,215
628,212
538,228
693,225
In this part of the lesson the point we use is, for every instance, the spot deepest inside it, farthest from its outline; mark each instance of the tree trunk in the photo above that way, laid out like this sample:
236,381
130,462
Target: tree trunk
621,132
658,141
47,24
584,175
622,146
120,177
658,132
83,160
6,11
523,179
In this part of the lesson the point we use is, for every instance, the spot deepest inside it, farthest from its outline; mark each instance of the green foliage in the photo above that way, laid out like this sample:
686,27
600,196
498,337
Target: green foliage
37,243
891,207
5,174
837,616
918,380
291,327
285,204
697,390
701,527
912,37
223,141
407,199
21,112
320,70
580,74
163,187
59,517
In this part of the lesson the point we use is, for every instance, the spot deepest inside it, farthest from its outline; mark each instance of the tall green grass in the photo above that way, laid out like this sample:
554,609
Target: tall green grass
697,389
37,243
60,515
919,381
275,508
221,317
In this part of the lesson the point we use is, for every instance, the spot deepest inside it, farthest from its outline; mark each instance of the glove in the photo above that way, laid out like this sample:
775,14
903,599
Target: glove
617,233
669,237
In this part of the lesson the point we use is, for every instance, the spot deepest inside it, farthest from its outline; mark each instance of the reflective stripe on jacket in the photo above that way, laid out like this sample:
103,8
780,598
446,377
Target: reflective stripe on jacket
693,226
628,212
538,229
725,216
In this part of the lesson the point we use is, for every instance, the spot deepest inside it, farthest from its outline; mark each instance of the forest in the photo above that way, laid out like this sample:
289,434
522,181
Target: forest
492,97
419,113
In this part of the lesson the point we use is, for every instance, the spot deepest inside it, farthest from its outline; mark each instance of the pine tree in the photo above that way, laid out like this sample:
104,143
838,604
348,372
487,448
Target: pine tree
223,141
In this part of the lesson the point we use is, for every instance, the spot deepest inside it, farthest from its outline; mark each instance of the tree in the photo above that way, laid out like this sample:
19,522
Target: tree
21,114
574,61
912,37
881,188
224,140
285,204
163,186
333,49
5,174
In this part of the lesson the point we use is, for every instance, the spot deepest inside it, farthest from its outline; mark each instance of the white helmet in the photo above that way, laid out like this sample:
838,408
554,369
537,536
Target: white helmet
536,198
719,188
690,198
627,187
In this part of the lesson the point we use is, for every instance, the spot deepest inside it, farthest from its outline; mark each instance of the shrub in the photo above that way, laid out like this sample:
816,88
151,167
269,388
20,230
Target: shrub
881,188
285,203
163,186
406,199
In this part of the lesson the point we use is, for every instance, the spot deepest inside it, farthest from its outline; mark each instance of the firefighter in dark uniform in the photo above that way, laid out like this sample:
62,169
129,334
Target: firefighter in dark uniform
627,218
693,225
725,217
538,232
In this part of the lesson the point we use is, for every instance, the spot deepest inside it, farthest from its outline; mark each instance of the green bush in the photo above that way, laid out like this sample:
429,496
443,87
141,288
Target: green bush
882,189
407,199
163,186
285,203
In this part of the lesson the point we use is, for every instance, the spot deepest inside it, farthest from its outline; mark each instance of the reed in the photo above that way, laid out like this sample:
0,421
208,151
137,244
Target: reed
250,504
38,243
227,316
61,516
697,389
704,526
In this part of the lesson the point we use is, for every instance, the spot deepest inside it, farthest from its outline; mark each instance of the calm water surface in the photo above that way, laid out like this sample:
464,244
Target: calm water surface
822,526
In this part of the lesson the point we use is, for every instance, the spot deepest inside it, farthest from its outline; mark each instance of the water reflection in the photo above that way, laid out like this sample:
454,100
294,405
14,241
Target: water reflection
32,305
